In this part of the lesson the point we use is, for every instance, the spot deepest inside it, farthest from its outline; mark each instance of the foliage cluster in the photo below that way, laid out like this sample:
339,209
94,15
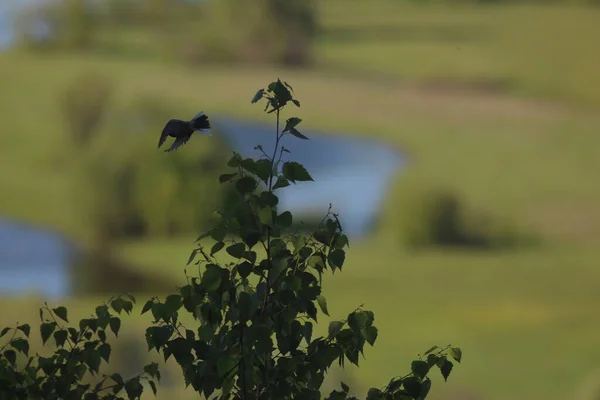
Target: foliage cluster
274,31
255,296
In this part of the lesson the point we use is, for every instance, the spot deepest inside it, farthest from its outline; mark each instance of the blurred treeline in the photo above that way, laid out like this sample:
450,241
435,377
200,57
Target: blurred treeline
273,31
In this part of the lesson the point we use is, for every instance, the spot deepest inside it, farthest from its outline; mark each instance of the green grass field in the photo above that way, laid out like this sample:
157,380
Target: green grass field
527,320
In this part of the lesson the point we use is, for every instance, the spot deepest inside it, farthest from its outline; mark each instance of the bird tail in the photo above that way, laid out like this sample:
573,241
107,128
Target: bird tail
201,124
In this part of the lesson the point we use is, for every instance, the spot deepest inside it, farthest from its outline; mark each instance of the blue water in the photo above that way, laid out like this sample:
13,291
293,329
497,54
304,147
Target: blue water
33,260
350,173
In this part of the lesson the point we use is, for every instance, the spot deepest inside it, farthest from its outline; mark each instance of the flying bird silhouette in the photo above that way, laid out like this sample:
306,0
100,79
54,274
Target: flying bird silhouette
182,130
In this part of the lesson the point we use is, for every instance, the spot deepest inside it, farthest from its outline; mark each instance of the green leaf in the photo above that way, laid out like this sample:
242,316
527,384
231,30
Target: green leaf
265,215
134,389
336,258
456,353
148,306
11,356
296,133
284,219
216,248
345,387
115,325
446,368
294,171
236,250
296,102
430,350
281,183
234,161
262,169
225,364
425,387
21,344
211,279
192,257
323,304
420,368
374,394
291,123
218,233
413,386
258,96
369,334
308,328
244,269
226,177
60,337
334,328
152,386
46,329
244,185
151,369
104,351
173,303
61,312
5,331
25,328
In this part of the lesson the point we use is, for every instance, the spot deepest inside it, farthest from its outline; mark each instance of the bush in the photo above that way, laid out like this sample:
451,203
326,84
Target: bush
264,31
84,104
62,24
142,192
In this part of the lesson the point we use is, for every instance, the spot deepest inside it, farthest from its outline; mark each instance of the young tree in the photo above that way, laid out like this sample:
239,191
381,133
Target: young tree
257,293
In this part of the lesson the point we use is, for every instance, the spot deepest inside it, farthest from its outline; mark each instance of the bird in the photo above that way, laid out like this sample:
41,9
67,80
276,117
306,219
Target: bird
182,130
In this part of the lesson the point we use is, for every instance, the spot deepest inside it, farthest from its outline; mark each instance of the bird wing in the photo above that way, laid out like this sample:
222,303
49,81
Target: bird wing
166,131
178,142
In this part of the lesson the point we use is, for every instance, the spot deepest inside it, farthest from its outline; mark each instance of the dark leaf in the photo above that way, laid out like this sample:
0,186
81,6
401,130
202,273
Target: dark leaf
152,386
262,169
446,368
61,312
25,328
115,325
46,329
173,303
369,333
21,344
5,331
259,95
11,356
211,279
134,389
281,183
244,269
294,171
147,306
412,385
104,351
225,364
322,304
374,394
60,337
284,219
236,250
334,328
431,349
425,387
345,387
244,185
291,123
456,353
192,257
296,102
226,177
296,133
216,248
336,258
420,368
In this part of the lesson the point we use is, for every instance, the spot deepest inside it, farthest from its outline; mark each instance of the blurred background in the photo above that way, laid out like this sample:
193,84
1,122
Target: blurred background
459,140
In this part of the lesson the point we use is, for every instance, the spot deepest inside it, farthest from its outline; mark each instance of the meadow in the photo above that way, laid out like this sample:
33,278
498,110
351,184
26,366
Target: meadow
498,103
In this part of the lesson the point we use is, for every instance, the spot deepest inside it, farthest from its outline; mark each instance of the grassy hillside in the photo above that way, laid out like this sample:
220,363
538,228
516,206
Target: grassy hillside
523,317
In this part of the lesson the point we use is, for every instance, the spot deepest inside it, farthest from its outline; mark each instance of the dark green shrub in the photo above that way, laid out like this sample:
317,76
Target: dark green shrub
72,25
142,192
84,104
